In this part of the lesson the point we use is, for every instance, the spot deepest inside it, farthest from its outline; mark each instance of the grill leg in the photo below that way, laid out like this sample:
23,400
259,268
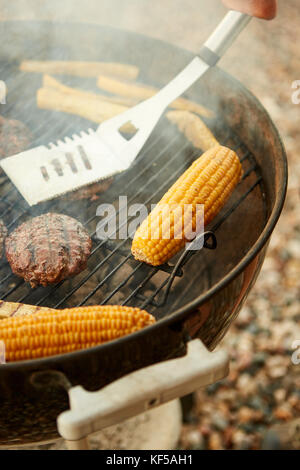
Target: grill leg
81,444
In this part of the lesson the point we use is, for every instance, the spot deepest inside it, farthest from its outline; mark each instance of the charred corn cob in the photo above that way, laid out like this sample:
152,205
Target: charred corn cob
81,68
209,181
57,332
140,92
10,309
193,128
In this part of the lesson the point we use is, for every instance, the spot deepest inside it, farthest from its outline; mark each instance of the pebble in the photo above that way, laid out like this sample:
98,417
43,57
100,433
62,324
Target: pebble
195,440
283,413
246,384
280,395
277,372
256,402
263,387
205,430
277,366
293,248
245,414
260,358
219,422
238,438
294,401
227,436
245,317
215,441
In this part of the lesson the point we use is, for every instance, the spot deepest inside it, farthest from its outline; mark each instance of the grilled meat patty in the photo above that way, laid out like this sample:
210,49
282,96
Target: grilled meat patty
14,137
3,235
48,249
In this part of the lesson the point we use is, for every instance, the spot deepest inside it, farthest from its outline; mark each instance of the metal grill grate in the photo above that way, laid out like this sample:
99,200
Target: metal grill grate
112,276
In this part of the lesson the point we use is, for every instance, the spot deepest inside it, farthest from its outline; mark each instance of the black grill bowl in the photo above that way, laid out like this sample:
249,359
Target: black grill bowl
208,291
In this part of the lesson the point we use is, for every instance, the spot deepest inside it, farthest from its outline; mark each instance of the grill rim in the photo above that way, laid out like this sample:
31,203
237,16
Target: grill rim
180,314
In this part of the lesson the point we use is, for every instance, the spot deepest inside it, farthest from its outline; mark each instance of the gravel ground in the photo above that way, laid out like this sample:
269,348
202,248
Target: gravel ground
262,391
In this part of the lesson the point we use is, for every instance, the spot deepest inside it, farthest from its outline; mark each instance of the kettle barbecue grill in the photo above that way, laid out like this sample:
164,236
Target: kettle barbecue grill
194,297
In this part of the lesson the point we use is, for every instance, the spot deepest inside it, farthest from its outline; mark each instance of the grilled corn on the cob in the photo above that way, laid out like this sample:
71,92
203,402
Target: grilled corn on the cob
57,332
193,128
141,92
209,181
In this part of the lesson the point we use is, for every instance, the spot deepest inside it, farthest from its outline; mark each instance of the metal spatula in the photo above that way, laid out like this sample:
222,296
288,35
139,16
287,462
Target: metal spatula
43,173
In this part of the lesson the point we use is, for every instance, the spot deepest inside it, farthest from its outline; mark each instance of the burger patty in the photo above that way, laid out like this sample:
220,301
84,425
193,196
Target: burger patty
14,137
3,235
47,249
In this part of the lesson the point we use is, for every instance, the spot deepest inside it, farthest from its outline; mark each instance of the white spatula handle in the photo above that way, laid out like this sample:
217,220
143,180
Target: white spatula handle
213,49
226,32
146,114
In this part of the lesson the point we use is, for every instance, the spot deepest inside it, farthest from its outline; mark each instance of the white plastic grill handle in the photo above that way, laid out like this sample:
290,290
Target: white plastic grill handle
140,391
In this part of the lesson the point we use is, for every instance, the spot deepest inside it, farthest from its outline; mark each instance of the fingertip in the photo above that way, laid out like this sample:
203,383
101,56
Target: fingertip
269,10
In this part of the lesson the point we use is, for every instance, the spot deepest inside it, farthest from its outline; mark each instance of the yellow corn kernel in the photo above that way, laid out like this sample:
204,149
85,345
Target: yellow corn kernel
209,181
61,331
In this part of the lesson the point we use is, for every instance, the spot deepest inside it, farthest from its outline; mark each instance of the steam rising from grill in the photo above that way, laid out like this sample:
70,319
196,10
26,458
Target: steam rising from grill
112,275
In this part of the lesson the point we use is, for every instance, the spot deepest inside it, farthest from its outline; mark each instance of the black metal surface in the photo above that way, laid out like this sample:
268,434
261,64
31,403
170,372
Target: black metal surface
166,149
210,286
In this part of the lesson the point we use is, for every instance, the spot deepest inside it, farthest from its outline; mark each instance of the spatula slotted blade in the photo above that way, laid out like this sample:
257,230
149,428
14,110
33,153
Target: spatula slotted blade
44,173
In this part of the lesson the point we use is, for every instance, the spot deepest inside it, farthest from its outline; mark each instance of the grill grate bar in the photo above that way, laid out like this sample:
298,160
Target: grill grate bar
11,274
115,250
21,82
150,299
143,181
234,206
8,276
140,286
106,278
57,286
12,290
91,219
86,278
54,202
245,156
248,172
6,211
121,284
148,183
7,194
135,292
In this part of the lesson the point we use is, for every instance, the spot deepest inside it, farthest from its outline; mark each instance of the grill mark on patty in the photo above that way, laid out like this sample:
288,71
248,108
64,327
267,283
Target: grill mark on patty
66,240
30,247
71,246
50,258
83,245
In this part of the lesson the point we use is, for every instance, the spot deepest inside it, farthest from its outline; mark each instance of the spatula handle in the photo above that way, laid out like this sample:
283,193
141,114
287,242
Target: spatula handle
224,35
213,49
